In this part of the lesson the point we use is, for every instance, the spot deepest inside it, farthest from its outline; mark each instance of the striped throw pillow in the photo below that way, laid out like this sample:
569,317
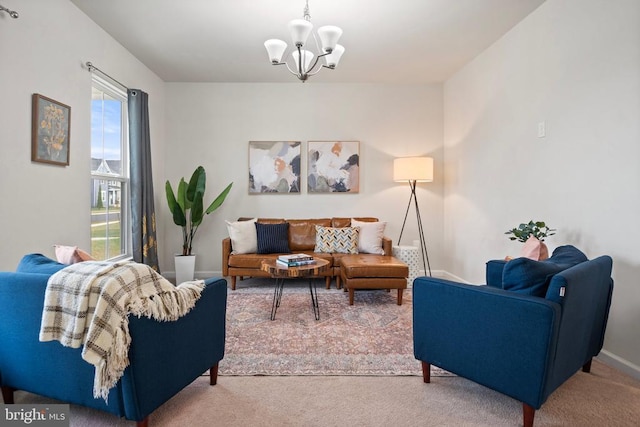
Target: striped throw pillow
273,238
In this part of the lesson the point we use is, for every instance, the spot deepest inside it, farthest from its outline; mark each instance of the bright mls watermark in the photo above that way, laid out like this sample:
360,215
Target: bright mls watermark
34,415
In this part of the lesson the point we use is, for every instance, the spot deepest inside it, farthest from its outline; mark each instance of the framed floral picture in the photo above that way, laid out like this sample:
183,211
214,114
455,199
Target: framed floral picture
274,167
333,167
51,123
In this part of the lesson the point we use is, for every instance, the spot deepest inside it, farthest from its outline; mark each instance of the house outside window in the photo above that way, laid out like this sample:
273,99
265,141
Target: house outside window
110,211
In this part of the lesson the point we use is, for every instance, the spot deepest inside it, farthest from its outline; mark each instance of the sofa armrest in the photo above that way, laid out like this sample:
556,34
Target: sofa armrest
387,246
167,356
494,272
226,251
500,339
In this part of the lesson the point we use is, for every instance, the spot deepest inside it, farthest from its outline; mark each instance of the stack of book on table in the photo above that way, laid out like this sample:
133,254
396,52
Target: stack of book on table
294,260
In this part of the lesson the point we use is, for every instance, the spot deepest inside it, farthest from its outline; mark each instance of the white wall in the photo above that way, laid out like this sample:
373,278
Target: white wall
43,52
212,124
574,64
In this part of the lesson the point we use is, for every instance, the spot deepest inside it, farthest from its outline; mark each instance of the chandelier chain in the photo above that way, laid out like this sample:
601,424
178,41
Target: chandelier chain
306,14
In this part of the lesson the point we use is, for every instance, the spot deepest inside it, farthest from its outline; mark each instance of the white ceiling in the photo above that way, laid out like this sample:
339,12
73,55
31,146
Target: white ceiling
386,41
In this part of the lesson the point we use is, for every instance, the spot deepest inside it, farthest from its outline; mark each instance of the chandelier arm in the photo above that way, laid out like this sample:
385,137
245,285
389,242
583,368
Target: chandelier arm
316,63
288,67
299,60
318,70
291,71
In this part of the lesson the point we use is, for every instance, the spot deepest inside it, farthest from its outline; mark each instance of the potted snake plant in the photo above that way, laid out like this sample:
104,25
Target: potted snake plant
187,208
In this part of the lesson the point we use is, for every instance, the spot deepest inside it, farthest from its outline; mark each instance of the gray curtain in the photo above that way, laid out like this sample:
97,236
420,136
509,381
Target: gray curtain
143,215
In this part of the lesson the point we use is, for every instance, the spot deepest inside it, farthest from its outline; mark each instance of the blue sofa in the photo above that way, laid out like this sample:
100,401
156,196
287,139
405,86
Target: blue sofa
164,357
517,341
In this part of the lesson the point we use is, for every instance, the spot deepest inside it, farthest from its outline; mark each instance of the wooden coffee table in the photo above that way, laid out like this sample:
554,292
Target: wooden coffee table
280,273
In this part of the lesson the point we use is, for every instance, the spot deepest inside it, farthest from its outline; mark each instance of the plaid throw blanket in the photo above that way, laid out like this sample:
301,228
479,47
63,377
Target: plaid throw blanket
88,303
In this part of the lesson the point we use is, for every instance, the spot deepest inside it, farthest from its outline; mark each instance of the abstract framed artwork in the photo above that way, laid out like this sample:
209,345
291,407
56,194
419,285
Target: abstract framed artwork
274,167
50,128
333,167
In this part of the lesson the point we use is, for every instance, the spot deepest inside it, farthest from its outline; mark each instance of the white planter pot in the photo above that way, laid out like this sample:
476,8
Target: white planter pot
185,268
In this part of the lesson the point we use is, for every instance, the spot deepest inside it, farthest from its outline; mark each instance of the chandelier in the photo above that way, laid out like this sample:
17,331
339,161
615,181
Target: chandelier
305,65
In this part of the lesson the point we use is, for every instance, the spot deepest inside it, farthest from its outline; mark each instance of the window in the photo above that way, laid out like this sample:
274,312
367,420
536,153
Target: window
110,231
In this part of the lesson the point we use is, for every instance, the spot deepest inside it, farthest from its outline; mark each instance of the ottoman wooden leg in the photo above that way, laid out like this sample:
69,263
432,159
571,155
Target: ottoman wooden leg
400,296
351,291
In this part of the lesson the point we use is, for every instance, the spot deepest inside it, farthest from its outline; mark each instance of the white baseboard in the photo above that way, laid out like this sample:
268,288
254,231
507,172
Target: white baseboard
619,363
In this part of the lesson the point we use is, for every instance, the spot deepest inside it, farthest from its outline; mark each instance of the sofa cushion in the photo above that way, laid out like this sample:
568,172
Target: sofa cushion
38,263
341,240
340,222
243,236
302,233
370,236
272,238
530,277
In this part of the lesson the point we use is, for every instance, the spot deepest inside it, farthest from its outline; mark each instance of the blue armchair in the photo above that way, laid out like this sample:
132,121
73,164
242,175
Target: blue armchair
164,357
522,345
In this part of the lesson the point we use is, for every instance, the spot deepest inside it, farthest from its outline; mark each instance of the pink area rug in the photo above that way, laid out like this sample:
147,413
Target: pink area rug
372,337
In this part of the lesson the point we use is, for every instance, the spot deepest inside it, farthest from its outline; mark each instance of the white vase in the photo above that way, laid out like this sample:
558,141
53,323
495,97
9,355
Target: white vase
185,268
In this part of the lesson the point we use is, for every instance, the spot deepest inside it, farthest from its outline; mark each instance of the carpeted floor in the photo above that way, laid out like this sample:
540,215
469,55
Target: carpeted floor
372,337
289,394
604,397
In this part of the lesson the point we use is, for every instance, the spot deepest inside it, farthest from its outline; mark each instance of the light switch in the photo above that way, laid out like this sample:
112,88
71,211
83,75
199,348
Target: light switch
542,130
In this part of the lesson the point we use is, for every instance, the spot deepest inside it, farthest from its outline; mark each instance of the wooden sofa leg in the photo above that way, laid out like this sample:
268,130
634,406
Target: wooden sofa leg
213,375
233,283
528,412
327,282
400,296
7,395
143,423
587,366
351,292
426,372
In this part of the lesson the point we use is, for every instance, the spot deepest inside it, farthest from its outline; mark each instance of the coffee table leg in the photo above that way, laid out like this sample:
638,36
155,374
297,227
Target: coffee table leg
314,299
277,296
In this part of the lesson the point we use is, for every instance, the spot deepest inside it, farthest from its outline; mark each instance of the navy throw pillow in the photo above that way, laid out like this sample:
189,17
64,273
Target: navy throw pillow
530,277
567,254
38,263
273,238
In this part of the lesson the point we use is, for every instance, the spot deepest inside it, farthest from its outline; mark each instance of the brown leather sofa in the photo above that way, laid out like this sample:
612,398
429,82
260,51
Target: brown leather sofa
302,238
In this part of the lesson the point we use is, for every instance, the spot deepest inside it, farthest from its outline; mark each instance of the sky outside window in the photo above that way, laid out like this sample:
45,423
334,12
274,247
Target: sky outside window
106,126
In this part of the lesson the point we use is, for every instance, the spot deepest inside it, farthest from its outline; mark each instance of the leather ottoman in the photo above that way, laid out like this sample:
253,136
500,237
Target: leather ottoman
373,272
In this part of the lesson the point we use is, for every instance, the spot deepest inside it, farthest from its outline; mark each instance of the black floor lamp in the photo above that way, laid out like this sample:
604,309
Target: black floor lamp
414,170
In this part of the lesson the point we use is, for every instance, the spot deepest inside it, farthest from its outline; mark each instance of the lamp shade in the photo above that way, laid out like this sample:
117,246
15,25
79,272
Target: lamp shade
307,57
334,57
413,169
300,30
275,49
329,35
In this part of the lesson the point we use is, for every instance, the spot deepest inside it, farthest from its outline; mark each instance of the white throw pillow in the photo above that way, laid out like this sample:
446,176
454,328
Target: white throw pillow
243,236
370,237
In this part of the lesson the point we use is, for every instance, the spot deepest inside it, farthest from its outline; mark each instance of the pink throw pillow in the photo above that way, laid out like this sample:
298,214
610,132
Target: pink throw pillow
534,249
71,254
